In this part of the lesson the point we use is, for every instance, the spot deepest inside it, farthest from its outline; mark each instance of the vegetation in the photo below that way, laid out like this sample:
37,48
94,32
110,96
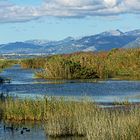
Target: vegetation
6,63
81,118
84,118
33,63
122,103
117,63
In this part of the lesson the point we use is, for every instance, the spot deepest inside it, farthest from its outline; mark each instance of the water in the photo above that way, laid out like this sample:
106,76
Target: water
27,131
24,84
18,132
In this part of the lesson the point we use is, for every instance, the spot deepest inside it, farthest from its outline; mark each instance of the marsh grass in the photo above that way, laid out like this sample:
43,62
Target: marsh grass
121,103
4,63
89,65
21,110
75,118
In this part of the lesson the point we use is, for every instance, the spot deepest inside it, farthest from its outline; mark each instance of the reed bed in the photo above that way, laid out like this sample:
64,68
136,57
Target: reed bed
4,63
88,65
25,110
76,118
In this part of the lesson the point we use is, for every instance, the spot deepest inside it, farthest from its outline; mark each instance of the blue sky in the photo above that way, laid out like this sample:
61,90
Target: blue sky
26,2
57,19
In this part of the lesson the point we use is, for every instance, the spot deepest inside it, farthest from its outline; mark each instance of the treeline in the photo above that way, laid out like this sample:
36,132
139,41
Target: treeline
117,63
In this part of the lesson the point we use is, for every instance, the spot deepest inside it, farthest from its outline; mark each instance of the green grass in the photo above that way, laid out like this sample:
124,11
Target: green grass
68,118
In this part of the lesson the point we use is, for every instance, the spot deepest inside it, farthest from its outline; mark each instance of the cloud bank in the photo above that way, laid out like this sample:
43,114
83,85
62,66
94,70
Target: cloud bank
67,8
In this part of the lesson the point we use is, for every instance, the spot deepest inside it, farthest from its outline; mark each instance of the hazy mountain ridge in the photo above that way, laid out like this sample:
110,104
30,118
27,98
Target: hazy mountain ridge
133,44
103,41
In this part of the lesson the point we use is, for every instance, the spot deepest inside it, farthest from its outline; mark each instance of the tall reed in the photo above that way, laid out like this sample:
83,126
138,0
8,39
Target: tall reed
117,63
76,118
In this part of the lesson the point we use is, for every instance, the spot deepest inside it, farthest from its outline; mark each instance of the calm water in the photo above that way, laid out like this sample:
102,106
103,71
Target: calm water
27,131
33,132
23,84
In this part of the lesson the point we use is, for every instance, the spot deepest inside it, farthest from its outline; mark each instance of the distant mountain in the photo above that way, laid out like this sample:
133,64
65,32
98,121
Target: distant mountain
38,42
133,33
103,41
134,44
106,40
112,33
19,47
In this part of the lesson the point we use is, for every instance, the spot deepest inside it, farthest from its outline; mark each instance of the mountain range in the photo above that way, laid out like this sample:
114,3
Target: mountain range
99,42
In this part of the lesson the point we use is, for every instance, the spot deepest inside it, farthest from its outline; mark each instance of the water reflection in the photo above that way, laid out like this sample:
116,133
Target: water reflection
24,84
21,131
27,131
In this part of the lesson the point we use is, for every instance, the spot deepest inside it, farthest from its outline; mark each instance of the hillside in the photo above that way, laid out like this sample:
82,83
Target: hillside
100,42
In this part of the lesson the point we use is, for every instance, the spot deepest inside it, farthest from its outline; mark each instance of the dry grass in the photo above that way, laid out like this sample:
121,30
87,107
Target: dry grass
4,63
63,118
89,65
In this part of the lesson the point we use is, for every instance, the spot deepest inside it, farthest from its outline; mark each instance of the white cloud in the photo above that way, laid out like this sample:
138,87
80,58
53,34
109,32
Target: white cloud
67,8
110,3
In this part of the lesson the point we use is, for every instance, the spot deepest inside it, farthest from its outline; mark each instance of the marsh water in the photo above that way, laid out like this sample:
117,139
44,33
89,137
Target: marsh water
24,84
27,131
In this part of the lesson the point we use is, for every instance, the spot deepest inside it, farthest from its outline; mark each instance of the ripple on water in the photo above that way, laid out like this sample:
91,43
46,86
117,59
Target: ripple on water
23,83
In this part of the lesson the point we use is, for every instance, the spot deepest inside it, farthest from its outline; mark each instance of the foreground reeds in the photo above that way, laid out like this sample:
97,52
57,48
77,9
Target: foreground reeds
84,118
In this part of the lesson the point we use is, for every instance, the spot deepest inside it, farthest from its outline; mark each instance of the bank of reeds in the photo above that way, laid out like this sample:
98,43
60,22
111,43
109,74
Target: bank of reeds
6,63
95,123
24,110
117,63
84,118
33,63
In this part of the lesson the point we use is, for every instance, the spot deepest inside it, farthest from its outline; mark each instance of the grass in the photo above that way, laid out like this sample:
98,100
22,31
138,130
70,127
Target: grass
121,103
4,63
117,63
71,118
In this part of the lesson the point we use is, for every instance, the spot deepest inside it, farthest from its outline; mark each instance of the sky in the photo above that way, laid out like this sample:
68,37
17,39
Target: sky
22,20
